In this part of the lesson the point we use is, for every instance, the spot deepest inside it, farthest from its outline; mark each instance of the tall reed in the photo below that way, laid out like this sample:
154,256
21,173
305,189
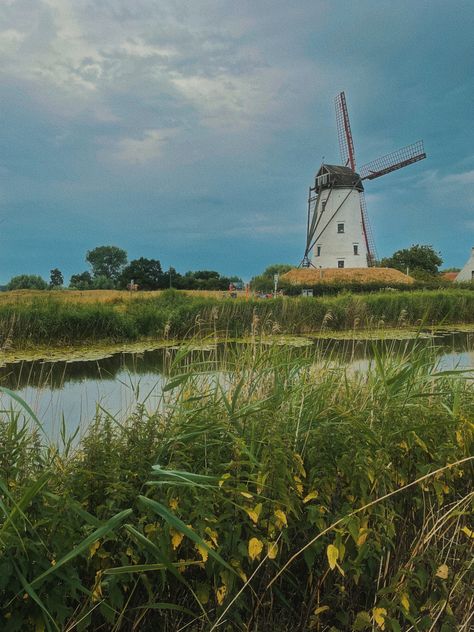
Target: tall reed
267,492
52,320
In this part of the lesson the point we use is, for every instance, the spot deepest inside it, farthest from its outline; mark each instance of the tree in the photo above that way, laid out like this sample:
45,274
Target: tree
277,268
27,282
146,273
416,258
102,282
264,282
106,261
82,281
56,278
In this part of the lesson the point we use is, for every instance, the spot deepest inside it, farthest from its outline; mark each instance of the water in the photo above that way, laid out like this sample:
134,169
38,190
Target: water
75,390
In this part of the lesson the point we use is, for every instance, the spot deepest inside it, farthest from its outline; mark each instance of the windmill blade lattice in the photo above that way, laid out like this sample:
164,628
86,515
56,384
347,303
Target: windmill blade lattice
391,162
372,257
344,134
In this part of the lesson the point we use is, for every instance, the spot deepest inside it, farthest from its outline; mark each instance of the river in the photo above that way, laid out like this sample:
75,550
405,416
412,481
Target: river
74,389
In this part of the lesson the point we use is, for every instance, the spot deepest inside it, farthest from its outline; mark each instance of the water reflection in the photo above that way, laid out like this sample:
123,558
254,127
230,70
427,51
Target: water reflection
117,383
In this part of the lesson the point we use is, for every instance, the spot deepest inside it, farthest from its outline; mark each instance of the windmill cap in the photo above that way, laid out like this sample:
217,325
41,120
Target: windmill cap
337,176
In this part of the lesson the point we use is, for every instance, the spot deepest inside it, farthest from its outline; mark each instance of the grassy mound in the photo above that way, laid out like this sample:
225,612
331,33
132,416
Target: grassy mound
311,276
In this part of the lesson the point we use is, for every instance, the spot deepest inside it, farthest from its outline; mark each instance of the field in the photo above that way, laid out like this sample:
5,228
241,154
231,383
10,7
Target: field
281,494
69,318
97,296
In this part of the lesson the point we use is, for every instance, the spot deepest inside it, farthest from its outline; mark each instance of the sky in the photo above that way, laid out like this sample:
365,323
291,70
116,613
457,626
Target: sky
189,131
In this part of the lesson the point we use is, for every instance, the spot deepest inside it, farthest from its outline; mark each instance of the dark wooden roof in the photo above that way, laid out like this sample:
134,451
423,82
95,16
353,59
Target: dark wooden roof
337,176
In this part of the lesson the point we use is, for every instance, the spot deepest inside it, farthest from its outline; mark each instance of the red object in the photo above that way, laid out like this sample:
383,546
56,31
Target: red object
344,134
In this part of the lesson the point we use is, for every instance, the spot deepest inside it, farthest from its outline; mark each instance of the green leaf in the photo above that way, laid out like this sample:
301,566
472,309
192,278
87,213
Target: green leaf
177,381
31,592
188,477
143,568
110,525
23,404
20,506
362,621
179,525
167,606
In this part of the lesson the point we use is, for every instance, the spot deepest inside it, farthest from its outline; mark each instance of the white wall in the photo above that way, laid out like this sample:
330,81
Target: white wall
337,246
466,273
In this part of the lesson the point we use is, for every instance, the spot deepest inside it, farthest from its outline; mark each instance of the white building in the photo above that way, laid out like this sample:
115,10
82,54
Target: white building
467,273
339,233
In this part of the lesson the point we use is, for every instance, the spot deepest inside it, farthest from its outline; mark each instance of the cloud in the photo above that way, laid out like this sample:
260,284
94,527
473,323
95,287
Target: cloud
10,41
453,190
227,101
138,151
466,178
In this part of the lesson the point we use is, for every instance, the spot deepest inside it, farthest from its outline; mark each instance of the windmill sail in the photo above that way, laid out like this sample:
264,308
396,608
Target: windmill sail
391,162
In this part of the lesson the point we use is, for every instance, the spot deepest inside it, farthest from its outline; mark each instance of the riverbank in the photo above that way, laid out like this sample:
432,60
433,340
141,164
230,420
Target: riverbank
295,498
95,351
57,320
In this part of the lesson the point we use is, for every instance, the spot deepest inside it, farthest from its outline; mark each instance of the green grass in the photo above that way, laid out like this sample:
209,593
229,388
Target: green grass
54,321
269,491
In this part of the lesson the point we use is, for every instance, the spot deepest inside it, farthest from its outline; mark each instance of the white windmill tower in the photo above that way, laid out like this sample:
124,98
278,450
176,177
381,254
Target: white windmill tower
338,230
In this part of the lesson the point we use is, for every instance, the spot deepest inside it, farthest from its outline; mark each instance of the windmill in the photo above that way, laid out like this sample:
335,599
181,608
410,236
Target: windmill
338,229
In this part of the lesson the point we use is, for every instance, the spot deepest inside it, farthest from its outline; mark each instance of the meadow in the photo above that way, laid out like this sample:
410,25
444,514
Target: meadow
283,493
64,318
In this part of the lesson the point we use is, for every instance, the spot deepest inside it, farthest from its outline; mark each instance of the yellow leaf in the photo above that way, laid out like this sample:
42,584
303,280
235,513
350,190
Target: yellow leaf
212,534
300,465
203,552
223,479
93,548
311,496
272,550
255,548
442,571
150,528
363,533
405,602
129,551
379,617
281,517
97,590
321,609
299,485
220,594
176,538
332,554
236,564
174,502
468,532
246,495
254,514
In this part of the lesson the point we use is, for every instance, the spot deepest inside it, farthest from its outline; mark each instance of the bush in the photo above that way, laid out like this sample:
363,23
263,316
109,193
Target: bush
27,282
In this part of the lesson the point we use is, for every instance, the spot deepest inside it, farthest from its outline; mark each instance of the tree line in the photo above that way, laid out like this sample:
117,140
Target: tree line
110,269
